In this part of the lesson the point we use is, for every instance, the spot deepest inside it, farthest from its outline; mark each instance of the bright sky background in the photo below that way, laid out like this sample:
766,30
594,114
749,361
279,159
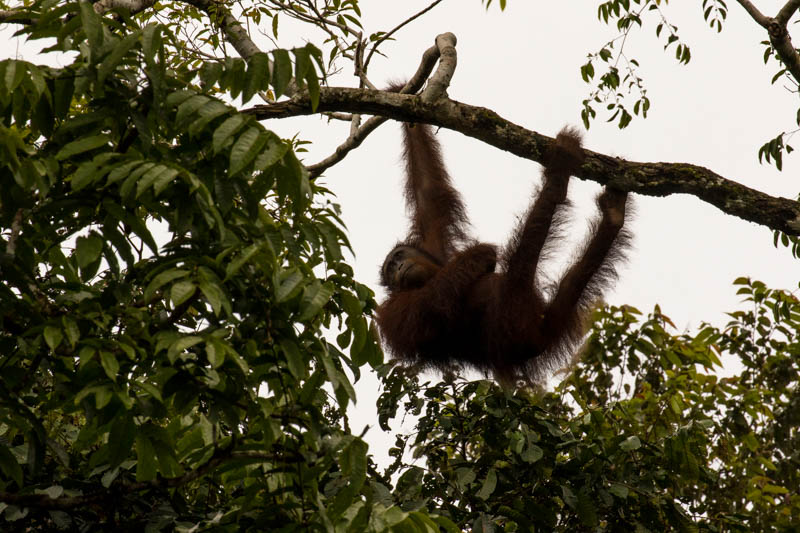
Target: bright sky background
524,64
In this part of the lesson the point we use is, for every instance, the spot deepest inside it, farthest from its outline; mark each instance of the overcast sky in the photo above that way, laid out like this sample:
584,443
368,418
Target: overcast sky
524,64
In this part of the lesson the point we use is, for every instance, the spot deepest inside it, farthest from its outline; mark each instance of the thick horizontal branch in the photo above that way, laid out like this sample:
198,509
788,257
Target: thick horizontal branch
652,179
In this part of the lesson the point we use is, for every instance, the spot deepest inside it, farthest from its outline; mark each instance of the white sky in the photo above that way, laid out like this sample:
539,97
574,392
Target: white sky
524,64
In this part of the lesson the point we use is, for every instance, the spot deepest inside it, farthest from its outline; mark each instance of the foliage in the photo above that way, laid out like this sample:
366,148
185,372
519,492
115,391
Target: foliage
641,435
171,277
168,269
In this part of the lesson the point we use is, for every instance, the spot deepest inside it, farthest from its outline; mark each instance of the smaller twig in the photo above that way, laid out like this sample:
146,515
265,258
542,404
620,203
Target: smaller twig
396,29
344,27
355,124
429,59
133,6
440,81
358,57
358,134
347,117
365,81
353,141
755,13
787,11
358,63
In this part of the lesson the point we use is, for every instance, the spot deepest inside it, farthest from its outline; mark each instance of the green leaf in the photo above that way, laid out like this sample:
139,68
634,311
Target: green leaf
165,453
10,466
157,176
181,291
489,484
162,279
122,171
87,173
631,443
275,150
146,466
14,74
82,145
294,358
62,99
289,285
226,130
115,57
281,71
53,491
302,63
190,106
215,351
136,224
53,337
88,249
245,149
110,364
257,76
587,512
102,396
239,261
445,523
71,329
92,27
532,453
206,114
618,490
181,345
465,477
312,82
210,73
163,179
315,296
120,439
215,296
151,43
354,463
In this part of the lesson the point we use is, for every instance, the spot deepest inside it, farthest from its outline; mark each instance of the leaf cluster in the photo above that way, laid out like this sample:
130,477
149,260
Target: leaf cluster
168,272
642,434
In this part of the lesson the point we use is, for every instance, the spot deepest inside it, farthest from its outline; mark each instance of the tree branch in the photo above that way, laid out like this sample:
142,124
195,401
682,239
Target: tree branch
787,11
755,13
234,33
233,30
394,30
652,179
779,36
22,16
782,43
134,6
440,81
429,58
